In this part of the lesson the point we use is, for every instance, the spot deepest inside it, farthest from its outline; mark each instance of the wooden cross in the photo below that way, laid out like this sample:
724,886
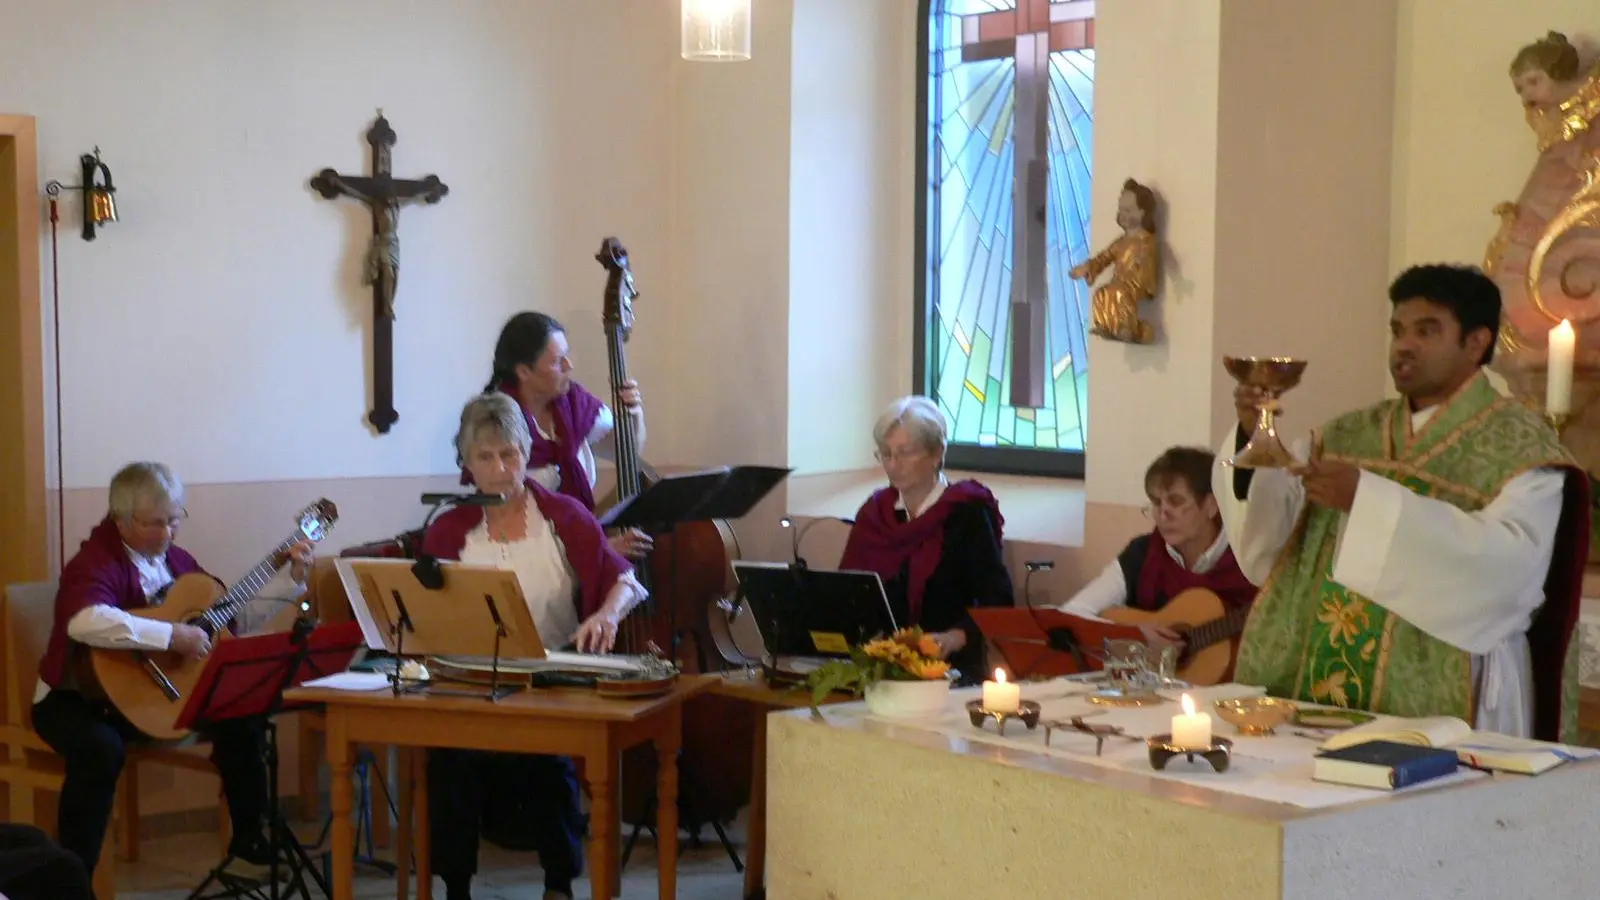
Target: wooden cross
383,194
1029,34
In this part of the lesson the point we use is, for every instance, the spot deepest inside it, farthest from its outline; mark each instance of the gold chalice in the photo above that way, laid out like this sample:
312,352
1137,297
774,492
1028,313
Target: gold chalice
1273,375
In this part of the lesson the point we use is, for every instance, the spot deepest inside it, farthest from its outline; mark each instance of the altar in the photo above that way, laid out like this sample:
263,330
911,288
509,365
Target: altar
864,807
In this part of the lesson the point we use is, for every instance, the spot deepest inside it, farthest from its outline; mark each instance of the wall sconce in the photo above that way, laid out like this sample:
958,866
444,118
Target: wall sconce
716,30
99,200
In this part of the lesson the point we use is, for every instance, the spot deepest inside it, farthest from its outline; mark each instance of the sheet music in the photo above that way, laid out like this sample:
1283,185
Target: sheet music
351,681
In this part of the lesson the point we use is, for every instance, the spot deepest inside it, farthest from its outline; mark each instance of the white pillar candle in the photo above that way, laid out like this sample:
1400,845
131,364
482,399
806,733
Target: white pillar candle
999,696
1191,730
1558,372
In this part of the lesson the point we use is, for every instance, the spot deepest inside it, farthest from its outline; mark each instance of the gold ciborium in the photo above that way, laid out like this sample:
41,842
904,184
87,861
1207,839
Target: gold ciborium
1273,375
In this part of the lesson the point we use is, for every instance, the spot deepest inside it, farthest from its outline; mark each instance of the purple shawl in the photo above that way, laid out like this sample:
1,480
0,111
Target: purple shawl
576,411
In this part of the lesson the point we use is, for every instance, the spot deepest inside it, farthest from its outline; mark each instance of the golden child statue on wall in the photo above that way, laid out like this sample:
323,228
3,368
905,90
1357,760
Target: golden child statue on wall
1135,261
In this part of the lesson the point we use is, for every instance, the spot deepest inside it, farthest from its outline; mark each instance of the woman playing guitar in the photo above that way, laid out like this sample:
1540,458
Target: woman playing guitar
1187,549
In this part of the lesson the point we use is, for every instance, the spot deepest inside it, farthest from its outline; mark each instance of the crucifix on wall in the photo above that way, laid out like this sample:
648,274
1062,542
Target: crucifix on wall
1029,34
384,195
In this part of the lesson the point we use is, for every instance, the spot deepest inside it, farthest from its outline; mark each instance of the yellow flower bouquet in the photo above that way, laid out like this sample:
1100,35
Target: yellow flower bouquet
908,655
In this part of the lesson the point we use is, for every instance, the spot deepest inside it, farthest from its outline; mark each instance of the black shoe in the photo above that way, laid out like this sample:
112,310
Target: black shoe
251,856
457,888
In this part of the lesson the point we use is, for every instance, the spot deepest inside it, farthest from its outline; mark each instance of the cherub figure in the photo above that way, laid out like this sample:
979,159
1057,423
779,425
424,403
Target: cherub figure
1561,103
1135,261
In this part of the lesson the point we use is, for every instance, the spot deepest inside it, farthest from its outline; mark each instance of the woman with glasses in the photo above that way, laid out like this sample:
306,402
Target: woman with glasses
935,543
126,564
1187,548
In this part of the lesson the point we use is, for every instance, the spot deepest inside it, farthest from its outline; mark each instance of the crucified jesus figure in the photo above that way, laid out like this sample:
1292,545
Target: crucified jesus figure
381,270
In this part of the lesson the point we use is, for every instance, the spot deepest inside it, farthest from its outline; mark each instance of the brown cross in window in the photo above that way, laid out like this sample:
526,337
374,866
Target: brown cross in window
1029,34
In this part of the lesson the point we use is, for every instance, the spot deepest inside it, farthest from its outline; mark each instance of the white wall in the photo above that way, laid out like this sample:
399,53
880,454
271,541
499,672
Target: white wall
220,326
852,215
1156,55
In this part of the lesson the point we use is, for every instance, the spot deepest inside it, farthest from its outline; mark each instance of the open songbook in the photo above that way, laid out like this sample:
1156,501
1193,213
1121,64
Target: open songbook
1481,749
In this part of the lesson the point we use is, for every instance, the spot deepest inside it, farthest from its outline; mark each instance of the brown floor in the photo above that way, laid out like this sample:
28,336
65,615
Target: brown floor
170,868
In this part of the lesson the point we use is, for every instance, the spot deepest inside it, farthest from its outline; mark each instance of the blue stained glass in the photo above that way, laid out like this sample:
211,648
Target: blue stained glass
972,186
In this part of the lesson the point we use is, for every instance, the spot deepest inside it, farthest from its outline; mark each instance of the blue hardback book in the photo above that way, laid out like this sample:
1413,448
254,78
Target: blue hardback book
1384,765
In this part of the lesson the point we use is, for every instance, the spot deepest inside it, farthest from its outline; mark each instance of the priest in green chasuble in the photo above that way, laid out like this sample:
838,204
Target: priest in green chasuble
1427,557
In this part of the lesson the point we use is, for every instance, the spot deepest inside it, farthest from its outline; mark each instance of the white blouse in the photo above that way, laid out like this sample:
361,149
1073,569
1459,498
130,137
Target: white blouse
546,578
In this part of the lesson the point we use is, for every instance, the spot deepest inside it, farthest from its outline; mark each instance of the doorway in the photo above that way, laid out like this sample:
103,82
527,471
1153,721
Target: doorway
24,521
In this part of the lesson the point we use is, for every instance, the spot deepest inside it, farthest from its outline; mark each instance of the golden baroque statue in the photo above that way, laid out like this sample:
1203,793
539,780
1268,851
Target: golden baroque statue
1135,261
1545,256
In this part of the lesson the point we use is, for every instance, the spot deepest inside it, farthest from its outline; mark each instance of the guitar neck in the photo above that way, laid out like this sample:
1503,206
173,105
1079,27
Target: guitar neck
1227,627
629,482
223,611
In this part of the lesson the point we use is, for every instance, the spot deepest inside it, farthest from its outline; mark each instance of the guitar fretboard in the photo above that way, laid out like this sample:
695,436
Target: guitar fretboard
223,611
1226,627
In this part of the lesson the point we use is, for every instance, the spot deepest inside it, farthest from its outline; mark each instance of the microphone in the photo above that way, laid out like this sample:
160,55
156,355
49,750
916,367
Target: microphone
796,560
426,567
473,499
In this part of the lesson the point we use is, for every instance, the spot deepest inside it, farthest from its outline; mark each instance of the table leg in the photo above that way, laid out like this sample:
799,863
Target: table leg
755,854
601,769
342,802
667,744
422,828
402,849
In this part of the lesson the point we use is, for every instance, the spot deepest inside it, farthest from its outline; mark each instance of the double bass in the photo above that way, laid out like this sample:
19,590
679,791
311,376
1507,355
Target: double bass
689,570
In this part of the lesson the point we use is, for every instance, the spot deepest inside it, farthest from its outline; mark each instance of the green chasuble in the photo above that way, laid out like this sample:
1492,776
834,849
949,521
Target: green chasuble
1311,638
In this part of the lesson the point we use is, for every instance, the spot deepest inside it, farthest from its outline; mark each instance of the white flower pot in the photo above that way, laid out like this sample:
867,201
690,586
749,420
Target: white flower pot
908,699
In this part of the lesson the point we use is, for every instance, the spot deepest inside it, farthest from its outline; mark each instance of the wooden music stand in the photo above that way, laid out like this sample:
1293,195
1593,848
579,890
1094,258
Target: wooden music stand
1047,643
480,611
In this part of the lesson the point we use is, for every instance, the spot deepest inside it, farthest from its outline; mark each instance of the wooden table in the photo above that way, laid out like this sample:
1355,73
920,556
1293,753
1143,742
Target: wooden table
574,723
756,690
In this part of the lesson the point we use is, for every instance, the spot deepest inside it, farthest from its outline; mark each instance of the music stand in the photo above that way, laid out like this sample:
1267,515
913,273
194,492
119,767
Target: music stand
814,612
1047,643
480,611
245,678
721,493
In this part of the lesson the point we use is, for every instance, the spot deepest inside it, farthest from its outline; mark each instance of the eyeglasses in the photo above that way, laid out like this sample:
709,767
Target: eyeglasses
1172,507
155,524
899,455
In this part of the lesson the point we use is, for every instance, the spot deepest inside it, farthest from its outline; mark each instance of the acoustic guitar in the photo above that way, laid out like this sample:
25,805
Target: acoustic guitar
150,689
1210,631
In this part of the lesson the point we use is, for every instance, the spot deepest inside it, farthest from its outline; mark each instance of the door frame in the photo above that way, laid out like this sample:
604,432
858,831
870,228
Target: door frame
24,525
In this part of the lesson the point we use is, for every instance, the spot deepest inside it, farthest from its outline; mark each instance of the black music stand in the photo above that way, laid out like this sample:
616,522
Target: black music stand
721,493
245,678
814,612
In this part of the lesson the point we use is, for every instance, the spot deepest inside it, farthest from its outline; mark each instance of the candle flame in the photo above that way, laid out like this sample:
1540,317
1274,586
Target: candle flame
1188,705
1000,676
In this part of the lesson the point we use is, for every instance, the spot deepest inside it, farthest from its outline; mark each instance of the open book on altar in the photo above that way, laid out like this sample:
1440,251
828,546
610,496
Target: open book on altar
1482,749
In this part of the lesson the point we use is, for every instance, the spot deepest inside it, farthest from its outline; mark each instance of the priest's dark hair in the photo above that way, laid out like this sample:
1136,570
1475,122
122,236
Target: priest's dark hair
1190,465
1466,291
522,342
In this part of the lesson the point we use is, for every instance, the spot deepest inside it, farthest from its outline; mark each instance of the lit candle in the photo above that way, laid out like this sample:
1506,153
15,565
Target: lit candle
1558,372
1191,730
999,696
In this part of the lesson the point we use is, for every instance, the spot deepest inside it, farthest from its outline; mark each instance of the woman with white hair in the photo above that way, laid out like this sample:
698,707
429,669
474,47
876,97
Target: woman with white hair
577,588
935,543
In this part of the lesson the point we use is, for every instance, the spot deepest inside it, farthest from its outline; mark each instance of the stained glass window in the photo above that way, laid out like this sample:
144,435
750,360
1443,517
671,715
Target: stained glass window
995,70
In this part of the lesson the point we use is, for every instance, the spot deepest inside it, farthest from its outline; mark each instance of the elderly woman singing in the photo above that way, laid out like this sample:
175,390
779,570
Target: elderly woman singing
935,543
578,590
